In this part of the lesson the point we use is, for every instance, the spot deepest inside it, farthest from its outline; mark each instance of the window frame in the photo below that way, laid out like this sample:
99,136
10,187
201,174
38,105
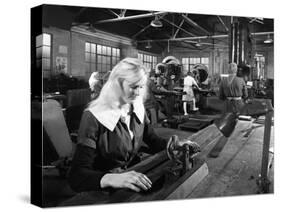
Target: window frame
191,61
44,52
101,58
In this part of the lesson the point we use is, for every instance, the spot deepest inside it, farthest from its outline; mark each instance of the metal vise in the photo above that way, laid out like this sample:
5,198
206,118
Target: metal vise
180,152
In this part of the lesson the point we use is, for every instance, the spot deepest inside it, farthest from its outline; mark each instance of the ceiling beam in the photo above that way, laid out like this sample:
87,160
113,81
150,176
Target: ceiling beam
141,31
195,24
178,27
146,27
221,21
123,12
130,17
114,13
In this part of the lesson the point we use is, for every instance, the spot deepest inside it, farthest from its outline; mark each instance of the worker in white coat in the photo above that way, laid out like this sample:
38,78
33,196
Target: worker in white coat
189,82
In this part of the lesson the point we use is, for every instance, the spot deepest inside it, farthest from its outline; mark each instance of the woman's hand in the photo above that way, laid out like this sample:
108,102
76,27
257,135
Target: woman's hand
132,180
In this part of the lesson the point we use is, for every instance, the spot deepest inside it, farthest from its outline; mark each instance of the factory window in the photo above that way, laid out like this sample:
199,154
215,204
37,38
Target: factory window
43,52
189,62
100,58
149,61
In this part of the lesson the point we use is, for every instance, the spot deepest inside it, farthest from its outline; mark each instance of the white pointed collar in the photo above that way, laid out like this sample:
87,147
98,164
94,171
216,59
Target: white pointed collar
109,116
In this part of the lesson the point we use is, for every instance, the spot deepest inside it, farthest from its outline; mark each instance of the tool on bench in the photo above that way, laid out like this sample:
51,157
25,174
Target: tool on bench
226,125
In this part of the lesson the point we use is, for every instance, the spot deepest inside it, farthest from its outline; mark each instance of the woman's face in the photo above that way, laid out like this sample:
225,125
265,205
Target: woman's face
132,90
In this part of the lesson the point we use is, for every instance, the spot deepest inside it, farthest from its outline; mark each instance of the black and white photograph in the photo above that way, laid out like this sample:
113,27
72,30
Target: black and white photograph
132,105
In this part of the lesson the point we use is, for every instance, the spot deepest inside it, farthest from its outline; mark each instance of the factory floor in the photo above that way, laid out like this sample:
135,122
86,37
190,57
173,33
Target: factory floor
236,170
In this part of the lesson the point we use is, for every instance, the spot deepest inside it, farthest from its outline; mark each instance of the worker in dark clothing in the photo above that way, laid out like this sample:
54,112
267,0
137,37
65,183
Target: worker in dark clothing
150,102
233,90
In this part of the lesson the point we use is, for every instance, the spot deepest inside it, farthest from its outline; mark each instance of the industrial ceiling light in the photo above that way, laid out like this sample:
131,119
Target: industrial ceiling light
156,22
198,44
148,45
268,39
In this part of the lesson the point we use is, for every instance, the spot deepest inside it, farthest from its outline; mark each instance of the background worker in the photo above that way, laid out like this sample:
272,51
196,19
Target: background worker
233,90
188,84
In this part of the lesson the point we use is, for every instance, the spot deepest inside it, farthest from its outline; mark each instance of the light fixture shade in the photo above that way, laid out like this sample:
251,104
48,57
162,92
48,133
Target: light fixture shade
156,22
148,45
198,44
268,40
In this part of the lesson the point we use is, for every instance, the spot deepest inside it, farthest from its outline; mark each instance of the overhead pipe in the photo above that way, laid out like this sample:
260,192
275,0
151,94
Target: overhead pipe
187,38
201,37
130,17
261,33
203,43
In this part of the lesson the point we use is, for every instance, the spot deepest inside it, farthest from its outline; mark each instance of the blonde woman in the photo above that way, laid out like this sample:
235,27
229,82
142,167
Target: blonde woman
112,130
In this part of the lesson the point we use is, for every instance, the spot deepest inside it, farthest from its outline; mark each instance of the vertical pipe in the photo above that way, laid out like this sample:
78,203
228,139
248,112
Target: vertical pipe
266,145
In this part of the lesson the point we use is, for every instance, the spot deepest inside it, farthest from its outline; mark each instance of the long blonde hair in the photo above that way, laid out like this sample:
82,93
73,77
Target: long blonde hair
129,69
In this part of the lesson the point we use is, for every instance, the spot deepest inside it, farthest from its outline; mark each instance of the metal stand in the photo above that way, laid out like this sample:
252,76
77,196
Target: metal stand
263,181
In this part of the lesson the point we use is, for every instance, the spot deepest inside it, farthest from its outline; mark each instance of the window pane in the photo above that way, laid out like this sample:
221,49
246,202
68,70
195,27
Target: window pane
118,52
108,51
99,59
39,40
99,49
46,52
108,68
103,67
103,59
104,50
46,64
185,67
46,39
87,57
93,67
87,47
39,53
108,60
87,67
99,67
93,58
113,60
93,48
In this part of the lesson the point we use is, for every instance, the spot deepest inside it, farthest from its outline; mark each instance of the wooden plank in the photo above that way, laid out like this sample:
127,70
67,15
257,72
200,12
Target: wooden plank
215,152
150,162
183,190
